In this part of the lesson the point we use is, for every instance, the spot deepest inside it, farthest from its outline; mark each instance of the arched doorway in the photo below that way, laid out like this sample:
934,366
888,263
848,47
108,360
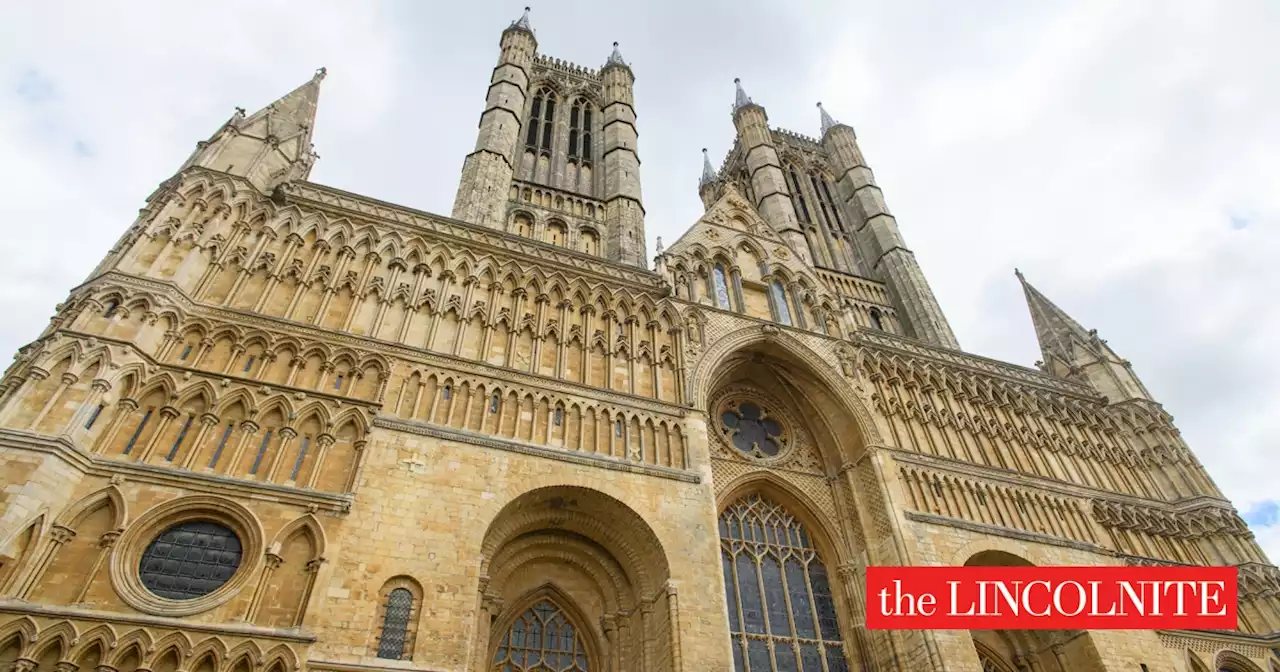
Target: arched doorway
572,580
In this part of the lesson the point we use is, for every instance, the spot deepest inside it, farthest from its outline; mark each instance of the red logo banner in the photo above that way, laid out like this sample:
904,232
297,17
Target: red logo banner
1051,598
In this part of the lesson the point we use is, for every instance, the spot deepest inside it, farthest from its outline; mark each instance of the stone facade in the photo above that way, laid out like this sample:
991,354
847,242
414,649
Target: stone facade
285,426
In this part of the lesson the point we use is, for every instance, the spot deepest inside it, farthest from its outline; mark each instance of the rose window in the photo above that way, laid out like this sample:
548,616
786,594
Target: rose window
751,430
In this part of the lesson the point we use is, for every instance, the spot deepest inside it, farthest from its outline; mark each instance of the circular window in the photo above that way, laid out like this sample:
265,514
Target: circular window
752,430
190,560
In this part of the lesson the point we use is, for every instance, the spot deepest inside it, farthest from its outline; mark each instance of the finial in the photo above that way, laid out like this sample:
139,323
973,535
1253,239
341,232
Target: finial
708,173
827,121
523,22
660,248
320,73
616,57
741,99
1018,273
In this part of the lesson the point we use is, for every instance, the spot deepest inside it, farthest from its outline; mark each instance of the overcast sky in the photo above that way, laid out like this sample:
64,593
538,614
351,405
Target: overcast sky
1125,155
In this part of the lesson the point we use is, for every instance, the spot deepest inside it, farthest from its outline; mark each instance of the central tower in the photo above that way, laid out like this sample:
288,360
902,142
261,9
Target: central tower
555,159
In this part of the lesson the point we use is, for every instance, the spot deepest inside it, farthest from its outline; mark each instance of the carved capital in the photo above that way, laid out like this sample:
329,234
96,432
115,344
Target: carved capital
61,534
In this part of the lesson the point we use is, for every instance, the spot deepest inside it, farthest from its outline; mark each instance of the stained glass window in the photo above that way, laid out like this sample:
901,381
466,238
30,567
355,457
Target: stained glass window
190,560
751,430
781,613
541,640
722,287
780,302
395,624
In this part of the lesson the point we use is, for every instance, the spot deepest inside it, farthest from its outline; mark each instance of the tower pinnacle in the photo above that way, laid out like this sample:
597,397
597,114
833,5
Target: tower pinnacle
741,99
827,121
708,173
522,23
615,58
1075,353
270,146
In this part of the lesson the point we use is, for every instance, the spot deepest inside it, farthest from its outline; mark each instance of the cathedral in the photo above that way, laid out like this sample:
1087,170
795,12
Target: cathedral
286,427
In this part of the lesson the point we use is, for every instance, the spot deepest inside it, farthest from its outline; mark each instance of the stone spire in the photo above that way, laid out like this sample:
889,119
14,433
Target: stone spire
1075,353
827,121
615,58
522,23
741,99
708,173
270,146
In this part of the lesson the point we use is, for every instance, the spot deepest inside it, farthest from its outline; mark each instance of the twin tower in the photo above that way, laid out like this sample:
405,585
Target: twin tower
556,160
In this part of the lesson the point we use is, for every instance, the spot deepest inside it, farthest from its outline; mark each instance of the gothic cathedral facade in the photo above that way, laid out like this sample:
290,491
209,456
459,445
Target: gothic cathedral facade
282,426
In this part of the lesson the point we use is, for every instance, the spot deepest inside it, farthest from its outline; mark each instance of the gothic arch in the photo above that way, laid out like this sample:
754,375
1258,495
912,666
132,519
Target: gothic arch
113,498
574,615
702,381
831,546
1234,662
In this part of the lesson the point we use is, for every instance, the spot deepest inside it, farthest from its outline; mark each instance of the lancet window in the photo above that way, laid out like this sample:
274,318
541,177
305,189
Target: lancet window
721,286
781,612
580,131
541,121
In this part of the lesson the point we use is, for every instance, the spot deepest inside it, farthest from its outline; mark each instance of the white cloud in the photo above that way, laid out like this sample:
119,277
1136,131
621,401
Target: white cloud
1106,148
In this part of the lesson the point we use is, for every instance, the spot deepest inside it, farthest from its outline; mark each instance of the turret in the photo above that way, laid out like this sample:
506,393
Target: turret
773,197
487,171
879,239
269,147
624,208
1075,353
707,183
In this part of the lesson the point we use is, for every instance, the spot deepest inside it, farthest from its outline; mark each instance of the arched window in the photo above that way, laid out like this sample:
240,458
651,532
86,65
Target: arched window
722,286
580,132
797,195
111,308
831,203
542,116
875,319
780,302
590,241
542,638
763,546
395,624
448,392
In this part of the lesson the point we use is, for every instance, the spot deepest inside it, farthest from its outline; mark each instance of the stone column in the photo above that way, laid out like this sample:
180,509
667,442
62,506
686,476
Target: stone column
167,415
105,544
59,535
125,407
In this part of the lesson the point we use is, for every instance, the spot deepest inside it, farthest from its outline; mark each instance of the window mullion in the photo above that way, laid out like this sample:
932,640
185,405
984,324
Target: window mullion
764,598
813,609
791,614
742,622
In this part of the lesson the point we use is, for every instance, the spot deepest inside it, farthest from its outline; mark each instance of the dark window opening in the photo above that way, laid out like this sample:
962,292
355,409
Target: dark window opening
493,403
94,417
138,431
222,443
262,450
182,435
190,560
186,352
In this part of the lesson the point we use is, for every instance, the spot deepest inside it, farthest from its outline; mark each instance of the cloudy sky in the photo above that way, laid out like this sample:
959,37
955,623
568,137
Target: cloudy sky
1125,155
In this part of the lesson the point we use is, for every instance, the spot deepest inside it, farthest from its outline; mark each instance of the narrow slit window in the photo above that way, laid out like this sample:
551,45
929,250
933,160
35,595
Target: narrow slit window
617,428
875,319
493,403
138,432
111,309
780,302
248,364
722,287
531,139
262,450
559,416
222,443
337,382
302,455
182,435
186,352
93,417
448,392
548,123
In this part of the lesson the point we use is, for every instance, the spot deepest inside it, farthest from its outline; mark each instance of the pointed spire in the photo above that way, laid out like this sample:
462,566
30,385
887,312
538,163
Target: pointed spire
708,173
1054,328
522,23
741,99
827,121
615,58
292,116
